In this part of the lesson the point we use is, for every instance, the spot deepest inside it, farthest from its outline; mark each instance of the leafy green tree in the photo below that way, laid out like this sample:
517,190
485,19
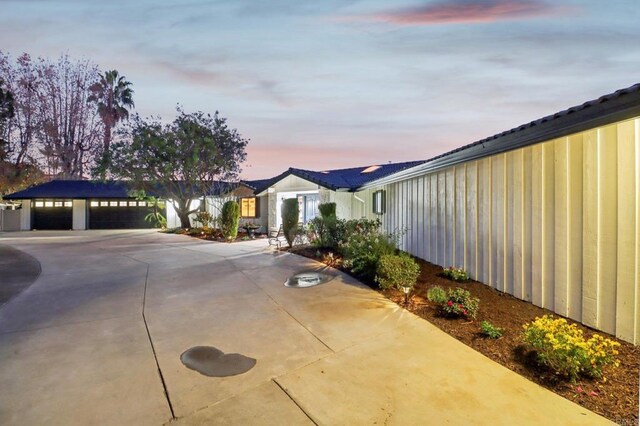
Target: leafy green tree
114,97
195,155
230,219
290,217
156,207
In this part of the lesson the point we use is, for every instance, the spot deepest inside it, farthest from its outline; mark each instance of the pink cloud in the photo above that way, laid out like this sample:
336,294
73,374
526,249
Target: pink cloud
466,11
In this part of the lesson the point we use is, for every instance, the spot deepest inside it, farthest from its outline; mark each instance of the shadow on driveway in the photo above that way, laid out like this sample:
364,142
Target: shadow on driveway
18,270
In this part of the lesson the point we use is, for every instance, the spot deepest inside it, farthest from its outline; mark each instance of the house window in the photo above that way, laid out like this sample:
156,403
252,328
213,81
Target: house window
104,203
132,204
248,207
378,202
68,204
39,203
142,203
113,204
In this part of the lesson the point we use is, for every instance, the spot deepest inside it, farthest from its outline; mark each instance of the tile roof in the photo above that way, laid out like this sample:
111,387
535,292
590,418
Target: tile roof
350,179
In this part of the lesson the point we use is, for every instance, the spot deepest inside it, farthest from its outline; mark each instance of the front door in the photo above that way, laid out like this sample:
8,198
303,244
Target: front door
308,204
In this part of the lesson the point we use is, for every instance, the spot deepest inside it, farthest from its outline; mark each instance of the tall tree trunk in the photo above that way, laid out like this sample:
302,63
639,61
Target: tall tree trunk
107,137
182,210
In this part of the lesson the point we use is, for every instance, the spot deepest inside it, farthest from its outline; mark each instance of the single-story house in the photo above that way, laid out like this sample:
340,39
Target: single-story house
341,186
548,211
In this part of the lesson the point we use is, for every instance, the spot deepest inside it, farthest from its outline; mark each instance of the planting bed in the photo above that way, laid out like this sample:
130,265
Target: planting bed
616,398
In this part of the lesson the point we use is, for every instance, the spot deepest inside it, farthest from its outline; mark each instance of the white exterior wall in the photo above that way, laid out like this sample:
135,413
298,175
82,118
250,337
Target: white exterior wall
25,216
173,221
10,220
79,214
288,187
556,224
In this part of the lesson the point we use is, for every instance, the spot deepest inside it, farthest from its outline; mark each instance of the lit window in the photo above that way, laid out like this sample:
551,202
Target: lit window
48,203
378,202
104,203
95,204
68,204
123,204
113,204
142,203
132,204
39,204
57,204
248,207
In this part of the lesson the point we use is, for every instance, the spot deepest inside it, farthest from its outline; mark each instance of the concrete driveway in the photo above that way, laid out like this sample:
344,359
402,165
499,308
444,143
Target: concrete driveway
97,339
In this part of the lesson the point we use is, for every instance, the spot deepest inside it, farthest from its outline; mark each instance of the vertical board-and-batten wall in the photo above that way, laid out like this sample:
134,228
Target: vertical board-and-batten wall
556,223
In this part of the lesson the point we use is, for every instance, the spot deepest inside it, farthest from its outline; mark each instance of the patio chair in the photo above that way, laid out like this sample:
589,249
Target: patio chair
276,236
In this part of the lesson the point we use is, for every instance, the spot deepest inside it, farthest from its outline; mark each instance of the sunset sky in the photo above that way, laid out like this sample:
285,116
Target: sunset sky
330,84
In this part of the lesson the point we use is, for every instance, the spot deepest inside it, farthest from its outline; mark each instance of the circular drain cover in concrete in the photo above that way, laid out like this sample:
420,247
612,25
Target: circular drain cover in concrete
212,362
307,279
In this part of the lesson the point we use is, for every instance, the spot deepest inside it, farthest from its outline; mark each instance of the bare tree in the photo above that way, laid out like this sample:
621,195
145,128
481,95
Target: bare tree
71,127
53,126
20,131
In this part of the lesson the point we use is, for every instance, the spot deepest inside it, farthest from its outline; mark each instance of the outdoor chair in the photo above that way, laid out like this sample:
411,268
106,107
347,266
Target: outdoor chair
276,236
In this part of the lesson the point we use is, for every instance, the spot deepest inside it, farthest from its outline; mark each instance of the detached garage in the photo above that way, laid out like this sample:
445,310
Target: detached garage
81,204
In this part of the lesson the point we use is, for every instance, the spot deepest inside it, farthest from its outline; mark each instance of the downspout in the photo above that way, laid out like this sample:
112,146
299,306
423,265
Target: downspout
364,205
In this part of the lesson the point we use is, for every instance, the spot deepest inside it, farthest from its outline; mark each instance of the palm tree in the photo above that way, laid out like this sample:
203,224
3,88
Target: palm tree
114,97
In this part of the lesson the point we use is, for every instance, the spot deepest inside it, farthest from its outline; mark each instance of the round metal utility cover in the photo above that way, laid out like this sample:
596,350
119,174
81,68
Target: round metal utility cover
307,279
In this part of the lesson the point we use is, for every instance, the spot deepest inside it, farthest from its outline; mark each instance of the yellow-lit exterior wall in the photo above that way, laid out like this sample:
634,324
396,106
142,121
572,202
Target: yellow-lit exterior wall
556,224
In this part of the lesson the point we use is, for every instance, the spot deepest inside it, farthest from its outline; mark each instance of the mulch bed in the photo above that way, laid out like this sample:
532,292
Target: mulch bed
616,398
217,236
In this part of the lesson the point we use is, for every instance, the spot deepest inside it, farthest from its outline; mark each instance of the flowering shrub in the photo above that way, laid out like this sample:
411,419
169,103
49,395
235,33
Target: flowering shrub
490,330
455,274
437,294
397,271
562,347
363,245
460,303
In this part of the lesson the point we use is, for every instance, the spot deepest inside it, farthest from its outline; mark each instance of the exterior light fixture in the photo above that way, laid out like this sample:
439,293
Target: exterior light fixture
406,291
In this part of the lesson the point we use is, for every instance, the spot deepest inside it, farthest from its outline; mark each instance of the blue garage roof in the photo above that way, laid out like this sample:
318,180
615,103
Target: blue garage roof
78,189
351,179
84,189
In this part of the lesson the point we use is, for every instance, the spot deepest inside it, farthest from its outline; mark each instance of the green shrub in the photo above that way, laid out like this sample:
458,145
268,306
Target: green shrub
290,217
562,347
397,271
327,210
363,245
455,274
490,330
437,294
229,220
325,227
460,303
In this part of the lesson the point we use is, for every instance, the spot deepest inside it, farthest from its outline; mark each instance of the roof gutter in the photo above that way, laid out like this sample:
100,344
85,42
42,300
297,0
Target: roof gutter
559,125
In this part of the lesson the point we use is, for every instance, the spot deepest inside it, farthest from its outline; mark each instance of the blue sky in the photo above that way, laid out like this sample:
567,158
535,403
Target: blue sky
334,84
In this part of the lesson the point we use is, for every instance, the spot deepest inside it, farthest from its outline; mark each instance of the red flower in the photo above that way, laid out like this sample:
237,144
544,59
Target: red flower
464,312
461,306
450,303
